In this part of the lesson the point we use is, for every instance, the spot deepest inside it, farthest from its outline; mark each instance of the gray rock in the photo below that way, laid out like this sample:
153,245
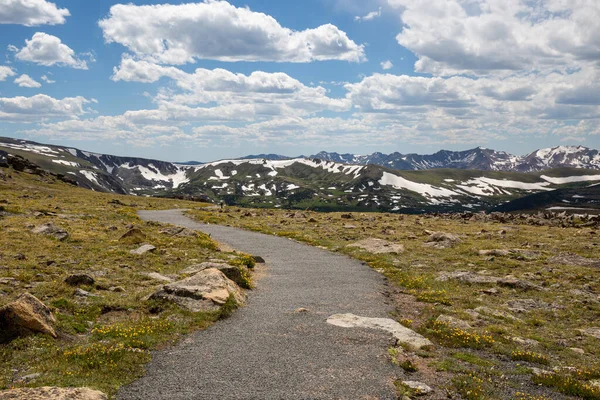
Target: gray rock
494,253
158,277
84,293
30,377
442,240
134,236
234,272
496,313
51,230
453,322
207,290
79,279
574,260
378,246
524,342
405,336
513,282
593,332
526,305
418,388
468,277
143,249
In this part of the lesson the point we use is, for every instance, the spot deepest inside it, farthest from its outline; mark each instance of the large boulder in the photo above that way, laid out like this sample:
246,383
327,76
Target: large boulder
236,273
378,246
208,290
24,316
51,230
54,393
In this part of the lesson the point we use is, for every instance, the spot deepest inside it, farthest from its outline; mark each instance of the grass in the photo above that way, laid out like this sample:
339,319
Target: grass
569,293
105,340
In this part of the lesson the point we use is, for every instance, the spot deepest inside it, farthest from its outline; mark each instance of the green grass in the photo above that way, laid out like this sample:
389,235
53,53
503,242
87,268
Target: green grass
104,341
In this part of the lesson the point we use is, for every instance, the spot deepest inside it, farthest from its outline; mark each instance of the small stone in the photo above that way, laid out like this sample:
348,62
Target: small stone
378,246
158,277
30,377
84,293
453,322
51,230
116,289
593,332
301,310
79,279
577,350
143,250
258,259
134,236
419,388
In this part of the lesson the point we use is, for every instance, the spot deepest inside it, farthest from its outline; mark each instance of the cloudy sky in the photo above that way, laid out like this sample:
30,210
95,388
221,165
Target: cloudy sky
217,79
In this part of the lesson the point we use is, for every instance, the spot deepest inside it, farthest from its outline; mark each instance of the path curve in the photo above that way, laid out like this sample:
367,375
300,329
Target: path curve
265,350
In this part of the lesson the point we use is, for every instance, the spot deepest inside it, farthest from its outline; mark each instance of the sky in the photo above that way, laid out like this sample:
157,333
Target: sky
216,79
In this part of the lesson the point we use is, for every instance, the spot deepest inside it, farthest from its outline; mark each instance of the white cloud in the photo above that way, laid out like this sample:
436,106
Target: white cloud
41,106
31,12
46,79
27,82
385,65
370,16
179,34
267,93
48,50
478,37
6,72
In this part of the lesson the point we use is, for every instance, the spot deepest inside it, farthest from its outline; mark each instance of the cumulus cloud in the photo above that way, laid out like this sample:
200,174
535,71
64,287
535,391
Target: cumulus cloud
267,93
6,72
40,106
452,37
48,50
31,12
368,17
385,65
217,30
27,82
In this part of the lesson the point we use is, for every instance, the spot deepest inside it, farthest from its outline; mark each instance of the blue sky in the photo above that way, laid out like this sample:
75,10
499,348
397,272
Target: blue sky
216,79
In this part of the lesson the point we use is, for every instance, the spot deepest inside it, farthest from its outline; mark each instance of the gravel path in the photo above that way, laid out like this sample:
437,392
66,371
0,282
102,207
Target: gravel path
266,350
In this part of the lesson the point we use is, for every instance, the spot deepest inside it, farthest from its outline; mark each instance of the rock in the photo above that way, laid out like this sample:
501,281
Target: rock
513,282
595,383
158,277
418,388
378,246
312,220
346,216
143,250
468,277
54,393
79,279
258,259
30,377
593,332
84,293
133,236
577,350
179,231
453,322
574,260
524,342
442,240
496,313
494,253
539,372
207,290
116,289
526,305
490,291
405,336
51,230
233,272
26,315
301,310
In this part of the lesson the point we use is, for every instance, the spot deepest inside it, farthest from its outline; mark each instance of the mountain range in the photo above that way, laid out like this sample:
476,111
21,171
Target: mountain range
472,180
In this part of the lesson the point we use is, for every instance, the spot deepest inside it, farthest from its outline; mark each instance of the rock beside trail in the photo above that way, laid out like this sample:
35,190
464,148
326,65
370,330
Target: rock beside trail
468,277
378,246
51,230
233,272
54,393
207,290
442,240
24,316
526,305
574,260
405,336
179,231
143,250
79,279
419,388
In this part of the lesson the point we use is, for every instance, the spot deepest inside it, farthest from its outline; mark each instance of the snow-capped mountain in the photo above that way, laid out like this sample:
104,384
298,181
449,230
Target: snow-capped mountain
478,158
478,179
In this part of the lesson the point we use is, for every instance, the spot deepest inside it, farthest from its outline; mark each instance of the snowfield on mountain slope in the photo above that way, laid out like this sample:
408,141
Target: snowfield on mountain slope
424,189
570,179
178,179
